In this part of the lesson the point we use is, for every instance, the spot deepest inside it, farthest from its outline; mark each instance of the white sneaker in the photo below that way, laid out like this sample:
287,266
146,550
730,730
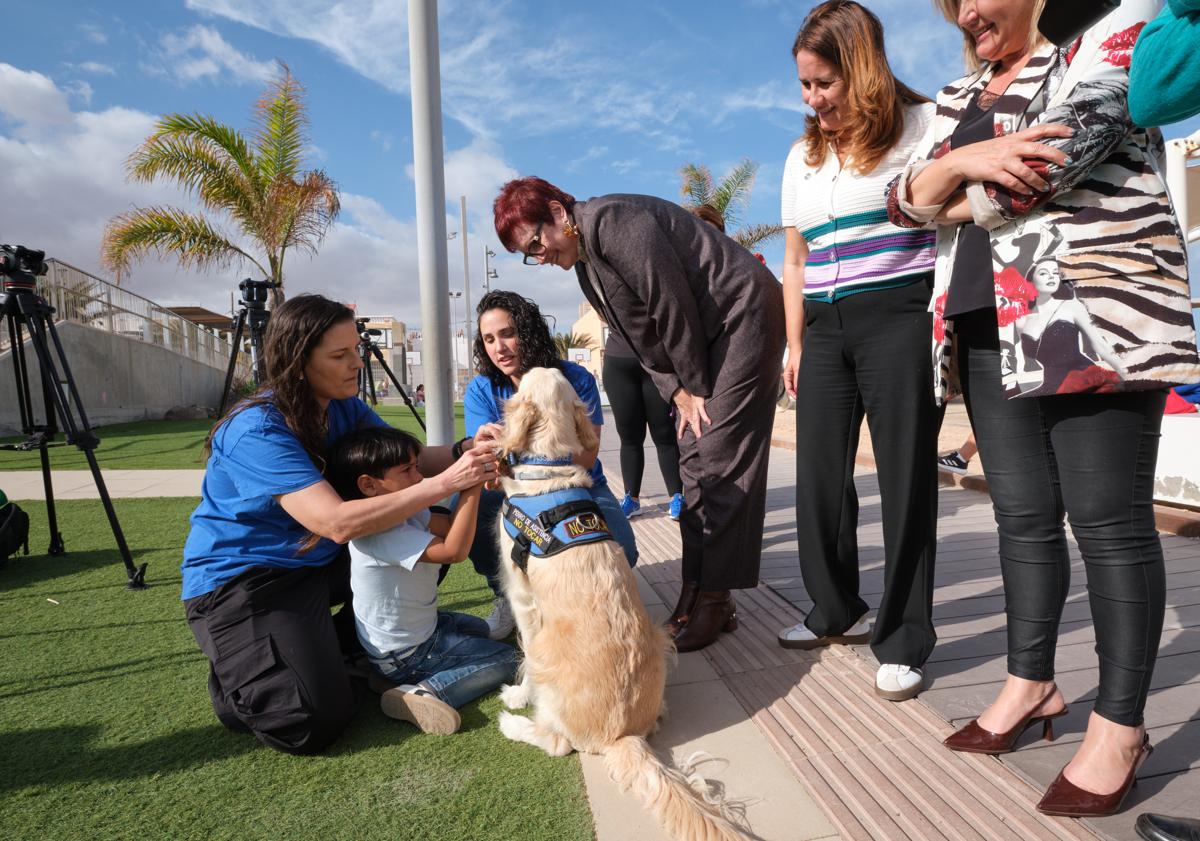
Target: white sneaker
799,636
501,622
894,682
421,707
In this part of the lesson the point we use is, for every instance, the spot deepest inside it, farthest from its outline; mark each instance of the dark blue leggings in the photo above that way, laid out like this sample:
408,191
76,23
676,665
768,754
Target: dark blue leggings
1090,457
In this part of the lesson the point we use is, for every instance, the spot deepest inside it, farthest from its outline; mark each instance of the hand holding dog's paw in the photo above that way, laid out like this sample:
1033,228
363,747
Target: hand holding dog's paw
515,696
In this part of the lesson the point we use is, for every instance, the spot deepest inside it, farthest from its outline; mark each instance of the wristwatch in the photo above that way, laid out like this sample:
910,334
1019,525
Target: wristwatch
456,449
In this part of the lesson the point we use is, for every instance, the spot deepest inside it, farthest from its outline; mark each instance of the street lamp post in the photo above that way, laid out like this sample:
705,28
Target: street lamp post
489,274
454,340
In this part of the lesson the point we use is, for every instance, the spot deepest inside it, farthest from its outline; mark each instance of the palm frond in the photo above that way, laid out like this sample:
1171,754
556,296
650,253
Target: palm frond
281,128
697,186
305,210
755,235
224,140
732,194
188,237
563,342
196,166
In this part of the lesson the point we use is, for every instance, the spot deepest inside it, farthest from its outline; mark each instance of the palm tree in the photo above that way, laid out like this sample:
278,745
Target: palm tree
729,198
257,185
565,341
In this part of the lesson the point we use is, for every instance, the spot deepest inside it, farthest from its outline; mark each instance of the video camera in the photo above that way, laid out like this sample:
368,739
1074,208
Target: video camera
20,266
256,292
364,332
1063,21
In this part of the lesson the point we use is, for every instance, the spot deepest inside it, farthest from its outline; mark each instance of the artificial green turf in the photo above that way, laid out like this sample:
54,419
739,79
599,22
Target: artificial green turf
106,730
168,445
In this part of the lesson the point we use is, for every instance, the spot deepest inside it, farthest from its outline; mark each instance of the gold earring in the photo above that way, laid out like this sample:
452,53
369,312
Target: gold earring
570,229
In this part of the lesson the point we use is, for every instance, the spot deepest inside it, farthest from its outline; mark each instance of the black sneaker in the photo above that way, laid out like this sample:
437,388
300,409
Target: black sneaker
952,463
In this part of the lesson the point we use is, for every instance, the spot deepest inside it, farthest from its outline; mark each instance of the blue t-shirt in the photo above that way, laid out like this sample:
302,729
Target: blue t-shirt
238,524
483,403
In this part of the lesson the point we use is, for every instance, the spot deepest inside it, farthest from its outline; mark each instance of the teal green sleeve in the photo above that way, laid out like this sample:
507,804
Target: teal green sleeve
1164,77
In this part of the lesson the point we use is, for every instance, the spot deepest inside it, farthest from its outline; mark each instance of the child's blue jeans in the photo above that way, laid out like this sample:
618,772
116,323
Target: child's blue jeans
458,662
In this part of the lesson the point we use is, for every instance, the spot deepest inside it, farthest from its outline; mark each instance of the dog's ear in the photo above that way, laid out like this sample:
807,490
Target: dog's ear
520,417
584,428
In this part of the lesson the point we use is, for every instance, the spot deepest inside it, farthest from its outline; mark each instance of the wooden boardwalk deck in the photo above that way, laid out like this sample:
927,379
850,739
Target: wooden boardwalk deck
878,769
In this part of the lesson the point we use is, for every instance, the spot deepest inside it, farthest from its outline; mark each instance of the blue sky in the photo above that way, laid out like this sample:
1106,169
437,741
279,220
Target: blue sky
598,98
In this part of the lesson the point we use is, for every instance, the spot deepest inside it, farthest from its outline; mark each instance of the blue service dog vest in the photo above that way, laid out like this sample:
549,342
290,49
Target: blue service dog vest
546,524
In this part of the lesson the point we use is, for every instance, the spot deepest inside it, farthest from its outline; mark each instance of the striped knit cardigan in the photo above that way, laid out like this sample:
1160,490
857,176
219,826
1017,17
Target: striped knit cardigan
1090,278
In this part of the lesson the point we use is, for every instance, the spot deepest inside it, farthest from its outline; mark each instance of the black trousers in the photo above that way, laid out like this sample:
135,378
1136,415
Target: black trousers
1090,457
635,403
276,654
869,353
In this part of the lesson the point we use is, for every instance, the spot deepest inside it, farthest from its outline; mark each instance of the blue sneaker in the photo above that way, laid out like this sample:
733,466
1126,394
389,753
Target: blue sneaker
630,507
676,507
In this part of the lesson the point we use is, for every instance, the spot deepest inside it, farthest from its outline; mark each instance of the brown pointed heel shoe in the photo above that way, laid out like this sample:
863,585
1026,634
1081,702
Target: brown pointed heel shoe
974,739
683,608
713,614
1065,799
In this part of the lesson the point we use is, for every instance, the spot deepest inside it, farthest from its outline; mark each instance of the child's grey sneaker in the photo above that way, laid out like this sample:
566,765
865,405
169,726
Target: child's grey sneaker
421,707
501,622
952,463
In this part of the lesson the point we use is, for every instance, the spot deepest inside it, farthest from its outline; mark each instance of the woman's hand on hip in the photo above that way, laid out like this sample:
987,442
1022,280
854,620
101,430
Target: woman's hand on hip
1003,160
690,409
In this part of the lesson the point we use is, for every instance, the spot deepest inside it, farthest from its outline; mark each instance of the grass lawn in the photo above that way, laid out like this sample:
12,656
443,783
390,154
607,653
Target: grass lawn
106,730
168,445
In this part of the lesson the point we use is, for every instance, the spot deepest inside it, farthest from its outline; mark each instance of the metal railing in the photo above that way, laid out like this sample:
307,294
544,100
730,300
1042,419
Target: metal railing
83,298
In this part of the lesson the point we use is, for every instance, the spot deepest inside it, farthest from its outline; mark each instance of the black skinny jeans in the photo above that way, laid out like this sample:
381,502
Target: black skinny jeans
635,402
1090,457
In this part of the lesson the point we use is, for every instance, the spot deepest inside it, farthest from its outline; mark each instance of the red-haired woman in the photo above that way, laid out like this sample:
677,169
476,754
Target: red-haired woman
705,319
856,292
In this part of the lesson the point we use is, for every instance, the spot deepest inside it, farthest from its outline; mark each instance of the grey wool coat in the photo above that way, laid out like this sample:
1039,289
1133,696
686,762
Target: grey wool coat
704,314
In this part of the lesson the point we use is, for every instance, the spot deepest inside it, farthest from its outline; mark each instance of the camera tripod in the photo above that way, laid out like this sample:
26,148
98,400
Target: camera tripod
366,377
25,310
253,312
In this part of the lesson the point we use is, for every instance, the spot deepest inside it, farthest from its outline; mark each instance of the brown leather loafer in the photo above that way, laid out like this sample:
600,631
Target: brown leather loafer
974,739
1065,799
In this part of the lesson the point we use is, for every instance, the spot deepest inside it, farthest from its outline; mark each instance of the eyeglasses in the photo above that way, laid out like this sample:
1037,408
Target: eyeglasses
536,247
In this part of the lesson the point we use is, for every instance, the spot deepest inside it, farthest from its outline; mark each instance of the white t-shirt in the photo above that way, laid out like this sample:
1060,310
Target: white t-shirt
395,596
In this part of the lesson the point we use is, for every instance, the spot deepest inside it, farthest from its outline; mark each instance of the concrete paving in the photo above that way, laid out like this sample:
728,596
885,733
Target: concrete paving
78,484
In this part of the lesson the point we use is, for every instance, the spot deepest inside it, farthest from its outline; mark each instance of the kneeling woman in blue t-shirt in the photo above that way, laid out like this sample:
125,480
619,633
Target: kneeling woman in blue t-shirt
512,337
257,588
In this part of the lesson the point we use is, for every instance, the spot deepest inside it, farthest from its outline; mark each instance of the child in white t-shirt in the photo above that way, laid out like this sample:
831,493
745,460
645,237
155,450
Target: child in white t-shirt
438,659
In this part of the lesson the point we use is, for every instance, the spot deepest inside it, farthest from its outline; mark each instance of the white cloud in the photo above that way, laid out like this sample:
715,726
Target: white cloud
200,52
65,178
383,139
93,33
32,100
97,68
80,90
774,95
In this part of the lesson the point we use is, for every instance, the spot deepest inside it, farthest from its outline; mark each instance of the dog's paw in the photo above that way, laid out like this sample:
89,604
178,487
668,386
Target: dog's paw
515,696
516,727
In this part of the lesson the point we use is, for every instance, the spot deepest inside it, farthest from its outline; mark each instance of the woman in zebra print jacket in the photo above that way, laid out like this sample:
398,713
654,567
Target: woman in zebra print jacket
1061,276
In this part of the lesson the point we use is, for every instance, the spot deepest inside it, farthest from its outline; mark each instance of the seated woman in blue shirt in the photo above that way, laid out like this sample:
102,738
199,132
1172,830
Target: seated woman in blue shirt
512,337
264,562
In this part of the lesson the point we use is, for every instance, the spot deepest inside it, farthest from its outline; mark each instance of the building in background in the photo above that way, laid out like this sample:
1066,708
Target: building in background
591,356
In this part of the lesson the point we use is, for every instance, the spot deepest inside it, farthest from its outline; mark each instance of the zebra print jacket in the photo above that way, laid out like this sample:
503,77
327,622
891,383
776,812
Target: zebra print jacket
1090,278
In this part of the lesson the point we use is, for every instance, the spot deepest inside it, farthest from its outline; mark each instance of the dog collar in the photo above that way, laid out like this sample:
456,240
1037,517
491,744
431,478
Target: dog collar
514,460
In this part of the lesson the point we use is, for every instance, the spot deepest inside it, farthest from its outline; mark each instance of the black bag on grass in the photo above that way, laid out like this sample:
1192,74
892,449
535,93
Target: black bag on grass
14,529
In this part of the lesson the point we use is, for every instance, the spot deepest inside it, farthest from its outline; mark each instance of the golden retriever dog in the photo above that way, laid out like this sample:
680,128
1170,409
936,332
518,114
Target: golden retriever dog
595,663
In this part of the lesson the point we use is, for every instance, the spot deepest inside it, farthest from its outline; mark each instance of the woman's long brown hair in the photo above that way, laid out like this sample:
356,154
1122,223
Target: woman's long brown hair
850,37
295,329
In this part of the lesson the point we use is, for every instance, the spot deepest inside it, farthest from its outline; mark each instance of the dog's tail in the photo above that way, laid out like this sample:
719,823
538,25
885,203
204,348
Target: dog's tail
683,805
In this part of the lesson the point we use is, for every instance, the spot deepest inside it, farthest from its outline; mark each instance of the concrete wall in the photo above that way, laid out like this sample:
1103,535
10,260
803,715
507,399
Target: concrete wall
119,379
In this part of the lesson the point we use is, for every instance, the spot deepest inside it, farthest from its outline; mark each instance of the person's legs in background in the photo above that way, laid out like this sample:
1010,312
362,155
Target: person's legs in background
622,383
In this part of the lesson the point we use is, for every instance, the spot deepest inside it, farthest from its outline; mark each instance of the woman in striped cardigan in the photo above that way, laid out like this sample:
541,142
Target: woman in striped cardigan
1062,278
856,290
